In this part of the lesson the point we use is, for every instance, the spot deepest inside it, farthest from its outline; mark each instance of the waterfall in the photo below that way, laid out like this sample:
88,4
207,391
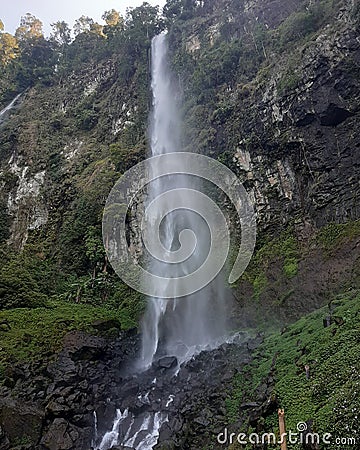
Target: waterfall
111,438
181,326
10,106
178,323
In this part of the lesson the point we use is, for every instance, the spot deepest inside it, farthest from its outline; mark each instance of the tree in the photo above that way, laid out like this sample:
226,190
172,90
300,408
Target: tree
8,48
87,25
95,249
19,287
30,28
83,25
144,18
112,18
1,25
97,29
36,62
182,9
61,33
172,9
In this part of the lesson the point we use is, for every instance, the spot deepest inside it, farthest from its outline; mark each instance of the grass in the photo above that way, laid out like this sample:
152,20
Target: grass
39,332
331,396
333,235
283,249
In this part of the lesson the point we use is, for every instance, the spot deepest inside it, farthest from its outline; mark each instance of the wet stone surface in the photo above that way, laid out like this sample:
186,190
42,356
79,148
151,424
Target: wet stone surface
75,399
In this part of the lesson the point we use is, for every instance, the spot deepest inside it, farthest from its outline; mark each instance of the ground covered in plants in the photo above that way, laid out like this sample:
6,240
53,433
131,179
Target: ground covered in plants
326,343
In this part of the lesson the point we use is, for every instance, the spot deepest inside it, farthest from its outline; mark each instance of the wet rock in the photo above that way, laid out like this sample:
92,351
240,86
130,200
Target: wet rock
130,388
202,421
176,424
338,320
56,409
122,448
167,362
57,436
63,370
81,346
249,405
76,388
20,420
334,115
169,445
106,325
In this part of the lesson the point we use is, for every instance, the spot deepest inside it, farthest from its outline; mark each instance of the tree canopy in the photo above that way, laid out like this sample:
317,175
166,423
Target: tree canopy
30,27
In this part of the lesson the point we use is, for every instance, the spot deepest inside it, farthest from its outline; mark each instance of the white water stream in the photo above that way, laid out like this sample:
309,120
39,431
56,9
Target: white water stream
10,106
180,327
183,326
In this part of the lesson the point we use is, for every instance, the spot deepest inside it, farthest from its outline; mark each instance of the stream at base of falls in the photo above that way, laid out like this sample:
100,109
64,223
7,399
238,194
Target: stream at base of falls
167,403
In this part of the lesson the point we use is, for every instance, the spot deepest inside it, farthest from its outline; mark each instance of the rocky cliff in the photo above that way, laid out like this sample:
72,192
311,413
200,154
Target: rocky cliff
269,88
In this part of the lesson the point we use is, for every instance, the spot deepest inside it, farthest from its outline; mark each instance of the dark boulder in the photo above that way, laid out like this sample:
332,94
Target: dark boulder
20,420
334,115
81,346
167,362
106,325
57,436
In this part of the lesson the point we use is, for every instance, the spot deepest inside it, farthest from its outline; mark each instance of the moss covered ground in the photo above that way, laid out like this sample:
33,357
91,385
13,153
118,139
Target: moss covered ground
31,334
330,396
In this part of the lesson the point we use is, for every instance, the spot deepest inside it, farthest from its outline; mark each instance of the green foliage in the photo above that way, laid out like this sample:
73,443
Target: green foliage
61,33
329,397
35,63
333,235
130,303
144,19
124,157
290,267
232,403
259,284
4,222
303,23
94,246
30,28
289,81
39,331
83,25
85,212
8,48
19,286
285,249
87,119
112,18
179,9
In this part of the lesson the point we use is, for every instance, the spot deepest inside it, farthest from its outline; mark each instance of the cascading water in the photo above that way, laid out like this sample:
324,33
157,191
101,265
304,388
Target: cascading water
9,107
182,326
174,326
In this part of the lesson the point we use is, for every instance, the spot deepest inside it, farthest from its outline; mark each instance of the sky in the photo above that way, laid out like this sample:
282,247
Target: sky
69,10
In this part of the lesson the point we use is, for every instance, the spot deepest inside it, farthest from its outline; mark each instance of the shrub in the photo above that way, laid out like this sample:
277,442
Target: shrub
19,288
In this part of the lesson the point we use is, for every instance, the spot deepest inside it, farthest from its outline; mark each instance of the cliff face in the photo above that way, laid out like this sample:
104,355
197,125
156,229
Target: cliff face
280,102
55,146
271,89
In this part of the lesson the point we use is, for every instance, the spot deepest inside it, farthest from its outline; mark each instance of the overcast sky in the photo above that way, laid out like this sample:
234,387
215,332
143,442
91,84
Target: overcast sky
69,10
